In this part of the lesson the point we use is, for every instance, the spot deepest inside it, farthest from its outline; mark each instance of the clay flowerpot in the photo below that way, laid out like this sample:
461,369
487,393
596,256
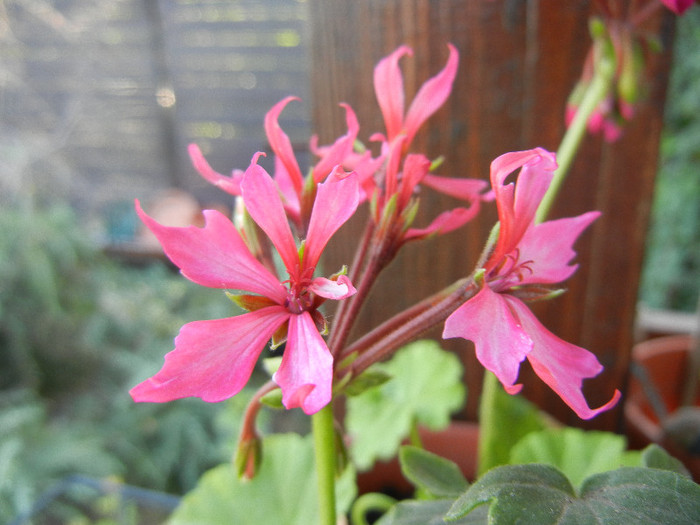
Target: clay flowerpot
655,392
458,443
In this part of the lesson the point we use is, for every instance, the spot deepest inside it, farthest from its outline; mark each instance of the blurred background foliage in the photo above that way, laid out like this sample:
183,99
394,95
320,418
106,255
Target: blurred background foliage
671,275
77,330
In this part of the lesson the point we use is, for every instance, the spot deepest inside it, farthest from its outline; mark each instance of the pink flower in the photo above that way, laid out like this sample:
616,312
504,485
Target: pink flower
526,258
388,86
214,359
678,6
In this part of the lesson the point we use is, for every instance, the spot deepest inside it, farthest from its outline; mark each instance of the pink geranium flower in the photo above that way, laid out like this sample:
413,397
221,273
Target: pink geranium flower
526,259
678,6
214,359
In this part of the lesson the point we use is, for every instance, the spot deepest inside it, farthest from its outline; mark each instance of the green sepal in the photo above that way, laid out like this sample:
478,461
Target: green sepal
533,293
248,457
348,360
389,213
358,146
273,399
368,379
409,214
436,163
480,277
250,302
342,271
596,28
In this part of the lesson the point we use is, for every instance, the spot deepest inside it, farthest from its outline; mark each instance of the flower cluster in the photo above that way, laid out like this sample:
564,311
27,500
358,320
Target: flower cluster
295,216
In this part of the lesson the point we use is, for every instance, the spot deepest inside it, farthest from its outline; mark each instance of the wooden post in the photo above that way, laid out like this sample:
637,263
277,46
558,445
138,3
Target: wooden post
519,61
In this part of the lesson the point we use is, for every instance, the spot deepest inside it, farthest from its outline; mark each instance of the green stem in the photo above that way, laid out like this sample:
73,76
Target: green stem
324,448
488,434
597,90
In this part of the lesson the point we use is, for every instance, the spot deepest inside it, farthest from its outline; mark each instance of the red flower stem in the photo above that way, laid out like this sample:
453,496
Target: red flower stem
379,258
407,325
342,321
251,411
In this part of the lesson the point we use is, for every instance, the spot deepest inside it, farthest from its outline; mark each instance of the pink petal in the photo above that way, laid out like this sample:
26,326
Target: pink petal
415,168
336,201
432,95
281,145
336,153
561,365
500,341
306,372
678,6
212,360
290,198
518,202
461,188
549,248
230,184
388,86
444,223
339,289
262,200
215,255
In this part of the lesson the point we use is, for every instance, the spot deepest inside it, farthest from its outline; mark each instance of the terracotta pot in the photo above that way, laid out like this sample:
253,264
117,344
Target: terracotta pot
458,443
663,363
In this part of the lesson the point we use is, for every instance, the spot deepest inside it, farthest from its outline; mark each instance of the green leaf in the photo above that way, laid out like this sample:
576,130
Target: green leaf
283,492
438,476
541,494
499,410
429,513
426,388
655,457
577,453
365,381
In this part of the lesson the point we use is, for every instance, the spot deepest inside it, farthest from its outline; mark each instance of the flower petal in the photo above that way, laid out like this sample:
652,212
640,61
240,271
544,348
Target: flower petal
501,343
388,87
465,189
262,200
336,201
563,366
339,289
432,95
281,145
678,6
215,255
306,372
444,223
212,360
336,153
518,202
549,248
230,184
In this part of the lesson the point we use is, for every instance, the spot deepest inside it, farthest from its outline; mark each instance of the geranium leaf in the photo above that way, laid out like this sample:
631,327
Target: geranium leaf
577,453
541,494
429,512
283,491
426,387
655,457
438,476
